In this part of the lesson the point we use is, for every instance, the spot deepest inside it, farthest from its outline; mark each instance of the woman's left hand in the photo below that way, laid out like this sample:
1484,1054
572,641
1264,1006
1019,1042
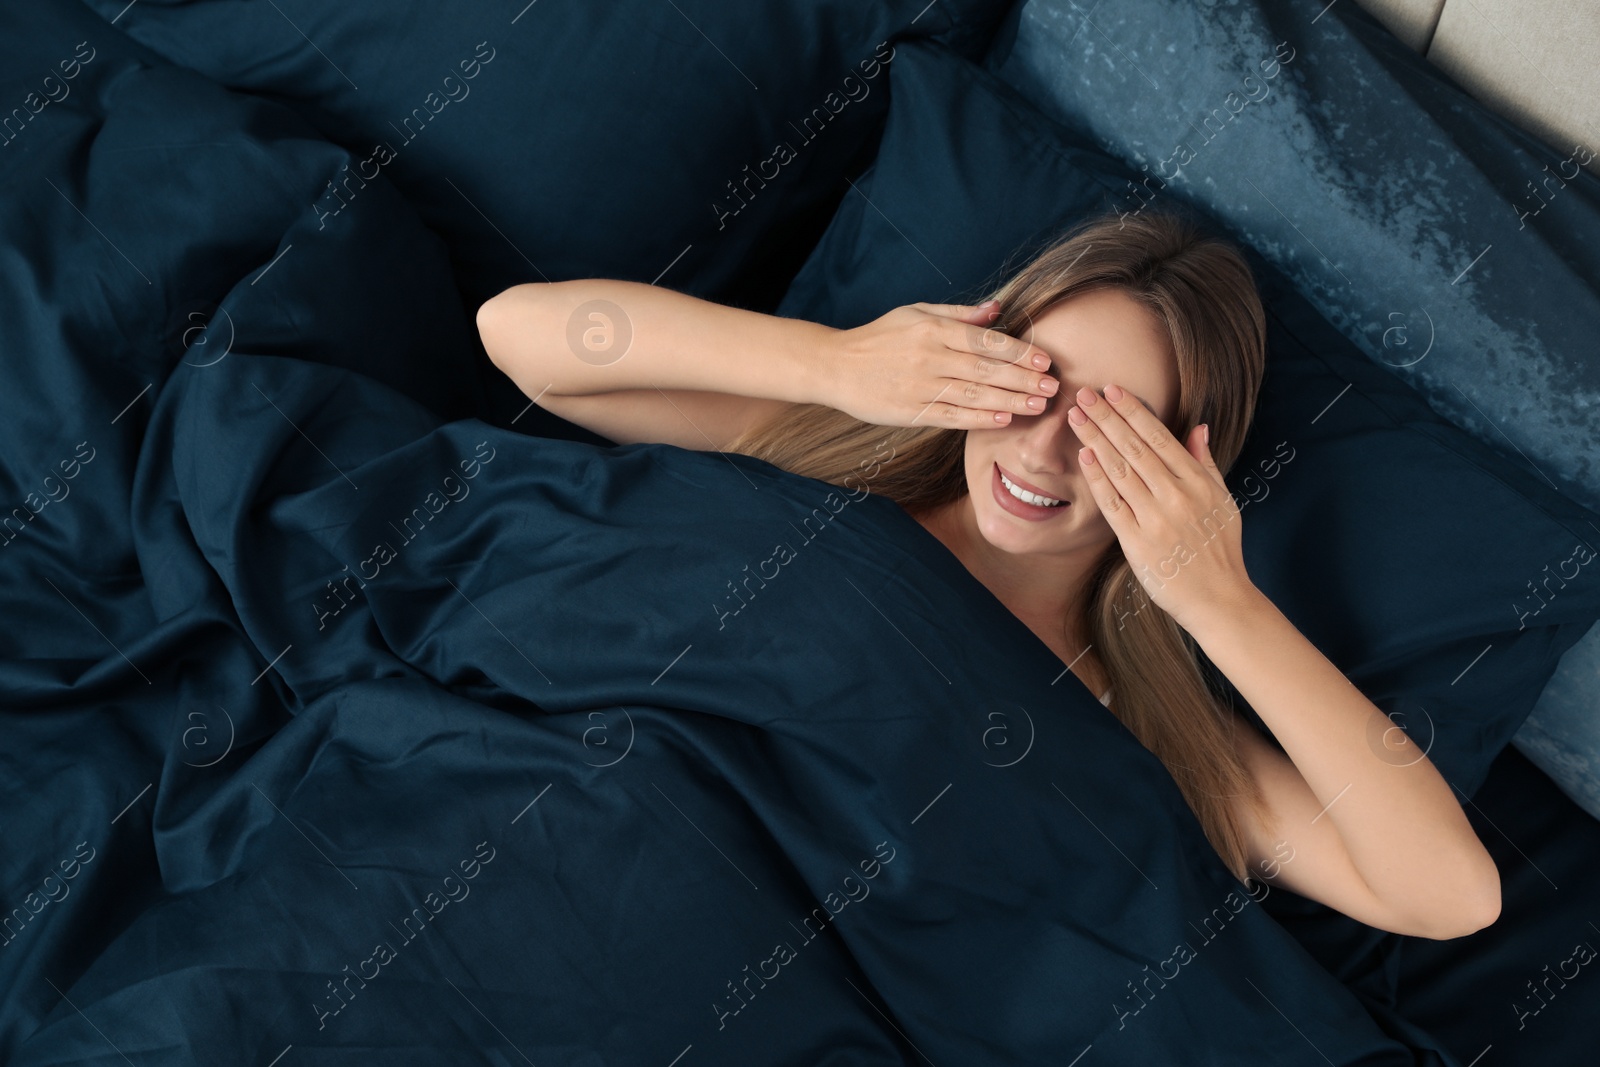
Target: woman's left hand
1165,500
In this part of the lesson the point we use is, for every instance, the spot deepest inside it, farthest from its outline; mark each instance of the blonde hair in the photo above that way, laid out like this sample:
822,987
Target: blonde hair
1201,290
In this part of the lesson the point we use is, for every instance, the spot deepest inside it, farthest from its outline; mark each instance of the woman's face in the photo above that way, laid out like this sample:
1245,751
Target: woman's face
1093,339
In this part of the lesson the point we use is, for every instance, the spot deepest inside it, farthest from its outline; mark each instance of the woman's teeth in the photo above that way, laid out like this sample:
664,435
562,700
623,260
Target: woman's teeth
1026,497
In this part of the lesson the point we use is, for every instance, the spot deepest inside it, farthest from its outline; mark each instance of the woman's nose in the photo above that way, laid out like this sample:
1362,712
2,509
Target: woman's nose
1048,440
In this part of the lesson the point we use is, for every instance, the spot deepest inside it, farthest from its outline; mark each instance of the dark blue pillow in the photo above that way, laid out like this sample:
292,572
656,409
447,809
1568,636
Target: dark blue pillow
1452,247
639,139
1401,546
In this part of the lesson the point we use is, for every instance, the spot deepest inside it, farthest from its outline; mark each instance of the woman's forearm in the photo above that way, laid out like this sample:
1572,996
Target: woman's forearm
598,335
1401,824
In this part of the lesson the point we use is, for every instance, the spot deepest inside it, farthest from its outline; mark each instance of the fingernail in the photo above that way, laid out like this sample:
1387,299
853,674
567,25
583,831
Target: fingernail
1113,393
1040,361
1205,434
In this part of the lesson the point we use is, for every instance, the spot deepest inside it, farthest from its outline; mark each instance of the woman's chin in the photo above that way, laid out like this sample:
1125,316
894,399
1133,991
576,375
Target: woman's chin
1009,535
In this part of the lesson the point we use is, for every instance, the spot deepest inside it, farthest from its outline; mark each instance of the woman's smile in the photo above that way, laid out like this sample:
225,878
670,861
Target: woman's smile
1016,505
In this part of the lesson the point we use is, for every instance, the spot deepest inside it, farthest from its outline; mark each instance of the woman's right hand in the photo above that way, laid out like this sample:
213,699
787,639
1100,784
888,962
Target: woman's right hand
935,365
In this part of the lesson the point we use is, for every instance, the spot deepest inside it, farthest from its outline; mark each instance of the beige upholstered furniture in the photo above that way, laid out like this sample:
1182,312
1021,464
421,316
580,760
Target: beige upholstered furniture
1534,62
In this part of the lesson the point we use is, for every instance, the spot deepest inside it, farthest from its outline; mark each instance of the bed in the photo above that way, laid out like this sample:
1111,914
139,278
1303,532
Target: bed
356,709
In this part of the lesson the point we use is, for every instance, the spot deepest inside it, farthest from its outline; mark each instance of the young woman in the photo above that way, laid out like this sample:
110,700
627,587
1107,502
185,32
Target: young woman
1065,440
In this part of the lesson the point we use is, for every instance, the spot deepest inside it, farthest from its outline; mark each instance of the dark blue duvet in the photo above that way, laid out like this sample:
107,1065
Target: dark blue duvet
456,746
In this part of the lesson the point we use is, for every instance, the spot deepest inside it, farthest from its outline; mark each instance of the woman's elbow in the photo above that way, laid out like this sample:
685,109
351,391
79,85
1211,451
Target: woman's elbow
505,317
1485,906
1474,905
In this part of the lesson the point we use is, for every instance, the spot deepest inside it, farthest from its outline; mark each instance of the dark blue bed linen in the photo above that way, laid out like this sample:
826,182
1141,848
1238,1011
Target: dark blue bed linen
694,141
151,221
1475,990
535,746
655,789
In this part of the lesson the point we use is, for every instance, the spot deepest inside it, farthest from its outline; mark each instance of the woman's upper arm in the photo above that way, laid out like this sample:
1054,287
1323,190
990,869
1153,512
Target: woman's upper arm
1292,843
689,418
524,331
